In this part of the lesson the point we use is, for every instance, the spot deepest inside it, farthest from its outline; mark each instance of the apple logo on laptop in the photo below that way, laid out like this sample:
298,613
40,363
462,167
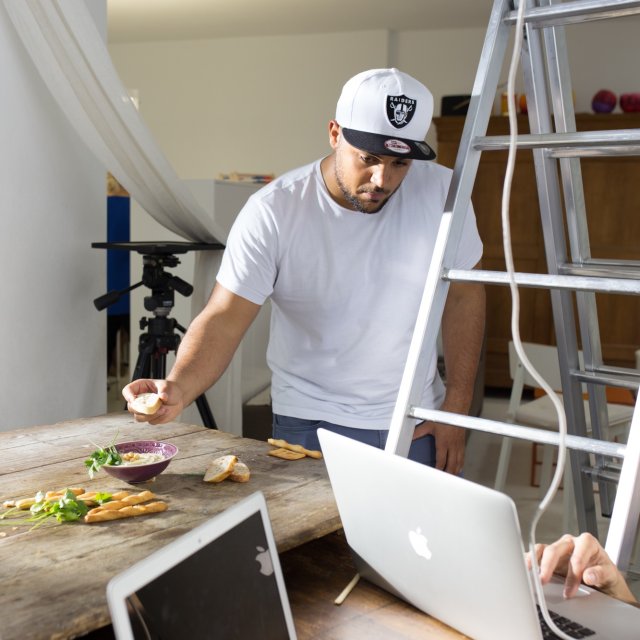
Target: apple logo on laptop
419,543
264,560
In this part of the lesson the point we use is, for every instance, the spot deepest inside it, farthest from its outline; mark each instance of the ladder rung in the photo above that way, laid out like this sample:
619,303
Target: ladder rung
545,281
570,144
596,152
600,268
598,473
576,11
610,376
543,436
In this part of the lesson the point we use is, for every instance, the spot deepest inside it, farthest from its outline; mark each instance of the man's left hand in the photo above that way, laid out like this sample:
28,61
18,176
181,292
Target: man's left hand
449,442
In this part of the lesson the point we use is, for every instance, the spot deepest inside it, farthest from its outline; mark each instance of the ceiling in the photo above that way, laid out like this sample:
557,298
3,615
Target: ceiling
147,20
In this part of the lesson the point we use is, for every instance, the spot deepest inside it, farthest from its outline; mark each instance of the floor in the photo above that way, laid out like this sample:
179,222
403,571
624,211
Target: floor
480,466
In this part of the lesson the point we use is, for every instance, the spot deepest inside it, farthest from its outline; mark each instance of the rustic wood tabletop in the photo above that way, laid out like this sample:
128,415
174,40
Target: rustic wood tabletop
54,577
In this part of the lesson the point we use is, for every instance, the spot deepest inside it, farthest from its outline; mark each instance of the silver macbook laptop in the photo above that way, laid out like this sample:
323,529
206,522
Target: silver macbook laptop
451,548
221,580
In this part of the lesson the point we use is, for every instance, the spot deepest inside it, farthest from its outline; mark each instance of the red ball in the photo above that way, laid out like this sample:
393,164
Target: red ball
604,101
630,102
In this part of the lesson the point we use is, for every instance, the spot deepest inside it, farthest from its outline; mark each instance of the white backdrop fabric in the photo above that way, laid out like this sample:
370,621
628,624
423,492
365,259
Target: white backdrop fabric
71,56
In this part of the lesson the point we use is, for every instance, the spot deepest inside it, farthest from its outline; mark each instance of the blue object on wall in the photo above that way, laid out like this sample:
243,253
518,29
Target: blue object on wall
118,263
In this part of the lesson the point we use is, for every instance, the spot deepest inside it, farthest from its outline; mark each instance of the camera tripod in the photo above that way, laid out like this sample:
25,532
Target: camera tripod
153,346
161,336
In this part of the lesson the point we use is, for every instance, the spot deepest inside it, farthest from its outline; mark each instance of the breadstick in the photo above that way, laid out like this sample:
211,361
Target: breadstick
54,495
286,454
127,501
27,503
89,497
283,444
103,515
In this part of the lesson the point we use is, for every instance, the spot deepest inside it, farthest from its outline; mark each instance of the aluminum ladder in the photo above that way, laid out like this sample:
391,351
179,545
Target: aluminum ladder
573,276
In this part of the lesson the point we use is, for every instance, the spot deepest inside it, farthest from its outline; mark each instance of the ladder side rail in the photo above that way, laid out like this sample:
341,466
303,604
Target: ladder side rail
573,189
624,523
550,201
578,234
456,206
420,351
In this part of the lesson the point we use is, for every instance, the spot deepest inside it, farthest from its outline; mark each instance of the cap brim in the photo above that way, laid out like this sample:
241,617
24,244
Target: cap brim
380,145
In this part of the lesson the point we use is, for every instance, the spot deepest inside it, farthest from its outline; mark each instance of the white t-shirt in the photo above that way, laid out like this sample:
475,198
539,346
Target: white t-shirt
345,290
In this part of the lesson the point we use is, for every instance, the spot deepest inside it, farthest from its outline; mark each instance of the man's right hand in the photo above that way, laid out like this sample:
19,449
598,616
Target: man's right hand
169,392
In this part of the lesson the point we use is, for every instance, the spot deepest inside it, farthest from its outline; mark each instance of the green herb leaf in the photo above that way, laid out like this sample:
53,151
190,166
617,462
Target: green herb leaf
67,508
102,456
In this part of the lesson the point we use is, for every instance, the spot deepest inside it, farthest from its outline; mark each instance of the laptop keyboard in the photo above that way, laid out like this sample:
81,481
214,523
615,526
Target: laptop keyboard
571,628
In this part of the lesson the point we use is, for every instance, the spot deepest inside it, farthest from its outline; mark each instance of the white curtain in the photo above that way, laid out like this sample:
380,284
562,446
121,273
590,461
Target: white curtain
71,56
68,51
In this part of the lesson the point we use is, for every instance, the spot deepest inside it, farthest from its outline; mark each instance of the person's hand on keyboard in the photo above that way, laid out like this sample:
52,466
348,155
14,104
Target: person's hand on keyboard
582,559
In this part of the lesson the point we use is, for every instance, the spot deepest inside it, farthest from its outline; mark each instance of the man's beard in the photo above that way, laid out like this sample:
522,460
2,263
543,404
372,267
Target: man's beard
353,200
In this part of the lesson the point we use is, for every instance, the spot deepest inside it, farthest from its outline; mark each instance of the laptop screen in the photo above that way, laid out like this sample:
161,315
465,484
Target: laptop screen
227,587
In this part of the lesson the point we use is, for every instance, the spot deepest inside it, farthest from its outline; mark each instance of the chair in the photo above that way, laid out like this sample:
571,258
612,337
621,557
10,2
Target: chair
541,413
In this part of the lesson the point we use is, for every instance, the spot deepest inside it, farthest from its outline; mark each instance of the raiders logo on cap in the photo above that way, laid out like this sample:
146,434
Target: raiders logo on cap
400,110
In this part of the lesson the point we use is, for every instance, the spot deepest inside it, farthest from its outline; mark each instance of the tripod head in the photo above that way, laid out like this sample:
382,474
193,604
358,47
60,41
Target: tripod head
162,284
155,257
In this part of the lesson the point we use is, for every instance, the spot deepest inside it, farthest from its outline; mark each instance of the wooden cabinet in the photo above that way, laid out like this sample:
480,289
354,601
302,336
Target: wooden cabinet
612,198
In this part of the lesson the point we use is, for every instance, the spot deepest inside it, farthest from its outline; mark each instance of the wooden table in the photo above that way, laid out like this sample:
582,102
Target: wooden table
318,571
315,573
53,579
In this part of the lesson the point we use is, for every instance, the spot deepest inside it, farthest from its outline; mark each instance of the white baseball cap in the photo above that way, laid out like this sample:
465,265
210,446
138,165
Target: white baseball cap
386,112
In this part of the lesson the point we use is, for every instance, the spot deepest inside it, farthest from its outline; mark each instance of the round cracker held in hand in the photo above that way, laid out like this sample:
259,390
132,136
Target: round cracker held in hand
147,403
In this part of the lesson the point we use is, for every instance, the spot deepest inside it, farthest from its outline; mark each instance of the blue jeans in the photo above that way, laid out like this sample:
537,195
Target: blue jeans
304,432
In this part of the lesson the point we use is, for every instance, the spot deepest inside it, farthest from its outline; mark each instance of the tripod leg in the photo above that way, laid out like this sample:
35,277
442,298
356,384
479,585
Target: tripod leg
143,363
152,360
205,412
159,365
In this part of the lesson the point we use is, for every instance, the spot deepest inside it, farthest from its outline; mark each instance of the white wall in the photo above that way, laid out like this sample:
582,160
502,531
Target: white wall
52,206
262,104
245,104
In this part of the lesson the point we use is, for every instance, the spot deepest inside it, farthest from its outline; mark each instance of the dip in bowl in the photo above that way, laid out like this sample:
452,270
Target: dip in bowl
142,460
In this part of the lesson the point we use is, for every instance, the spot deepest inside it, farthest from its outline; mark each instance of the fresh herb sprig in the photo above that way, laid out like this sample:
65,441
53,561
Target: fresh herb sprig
66,508
102,456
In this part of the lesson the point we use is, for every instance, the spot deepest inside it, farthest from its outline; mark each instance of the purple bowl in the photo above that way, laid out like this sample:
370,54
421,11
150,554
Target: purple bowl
142,472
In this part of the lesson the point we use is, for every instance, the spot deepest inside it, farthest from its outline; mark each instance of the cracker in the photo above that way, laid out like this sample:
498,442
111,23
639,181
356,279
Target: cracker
286,454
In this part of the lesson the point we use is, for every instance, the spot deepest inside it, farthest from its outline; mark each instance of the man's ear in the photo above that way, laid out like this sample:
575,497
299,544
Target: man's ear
334,134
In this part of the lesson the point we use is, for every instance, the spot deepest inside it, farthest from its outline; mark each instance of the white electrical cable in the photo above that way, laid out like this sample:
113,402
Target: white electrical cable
515,317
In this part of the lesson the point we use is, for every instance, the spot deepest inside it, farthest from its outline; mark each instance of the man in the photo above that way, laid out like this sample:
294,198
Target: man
342,247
